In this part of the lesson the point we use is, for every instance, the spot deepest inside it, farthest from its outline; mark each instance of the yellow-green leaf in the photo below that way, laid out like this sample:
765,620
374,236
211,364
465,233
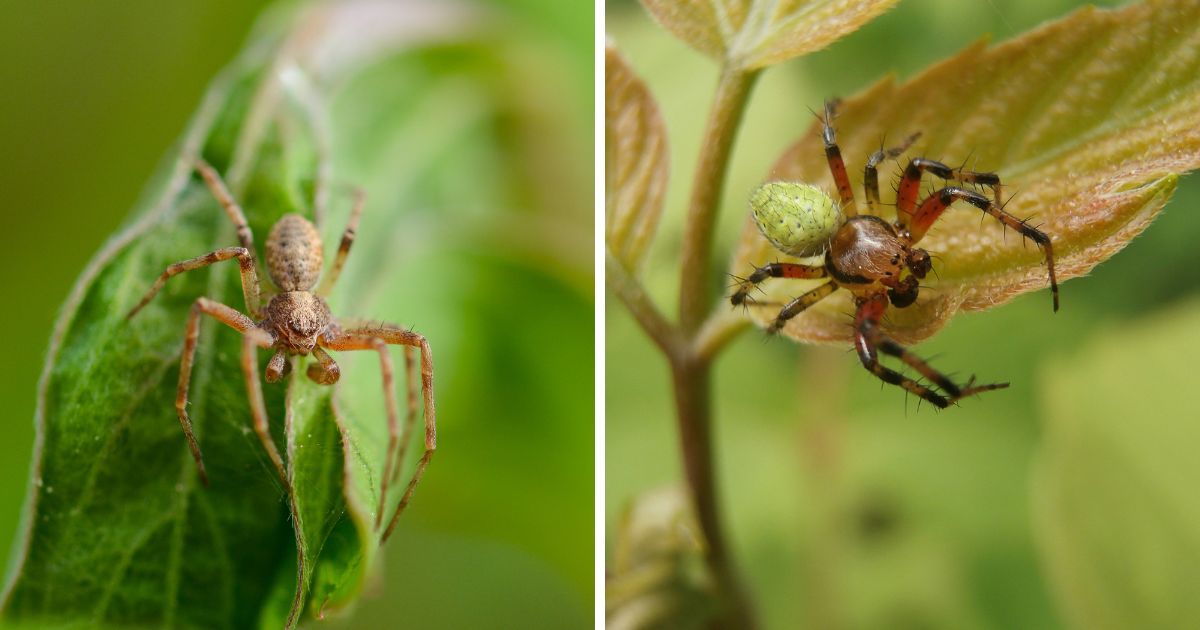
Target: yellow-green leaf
635,155
752,34
1114,507
1088,120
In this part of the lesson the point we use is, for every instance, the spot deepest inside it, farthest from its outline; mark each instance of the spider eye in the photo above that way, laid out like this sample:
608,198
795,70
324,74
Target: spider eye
798,219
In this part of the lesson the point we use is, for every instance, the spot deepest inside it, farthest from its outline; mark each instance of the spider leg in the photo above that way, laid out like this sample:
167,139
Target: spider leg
410,419
833,154
376,338
869,341
221,192
335,269
910,184
799,304
936,204
225,315
250,286
871,173
773,270
258,408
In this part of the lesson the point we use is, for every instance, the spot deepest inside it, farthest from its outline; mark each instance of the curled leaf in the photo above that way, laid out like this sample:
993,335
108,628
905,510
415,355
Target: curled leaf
658,577
635,154
1088,121
751,34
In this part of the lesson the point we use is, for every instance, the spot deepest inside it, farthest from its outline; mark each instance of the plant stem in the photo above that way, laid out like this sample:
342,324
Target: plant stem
691,346
719,329
691,370
633,295
695,286
693,379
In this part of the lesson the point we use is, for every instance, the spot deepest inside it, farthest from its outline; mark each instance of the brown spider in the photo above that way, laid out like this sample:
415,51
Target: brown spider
868,256
297,321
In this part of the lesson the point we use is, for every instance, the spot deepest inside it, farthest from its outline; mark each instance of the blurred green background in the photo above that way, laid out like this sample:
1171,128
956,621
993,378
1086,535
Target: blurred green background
848,506
500,533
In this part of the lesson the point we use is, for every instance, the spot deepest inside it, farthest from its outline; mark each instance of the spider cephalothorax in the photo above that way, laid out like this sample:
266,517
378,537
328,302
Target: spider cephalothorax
874,259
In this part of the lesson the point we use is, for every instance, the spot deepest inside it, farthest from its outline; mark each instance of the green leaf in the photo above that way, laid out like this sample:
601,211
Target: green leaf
1114,500
636,161
750,34
118,532
1089,121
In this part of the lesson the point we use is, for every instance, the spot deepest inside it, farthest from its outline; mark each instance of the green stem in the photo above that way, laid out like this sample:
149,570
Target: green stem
633,295
692,377
691,347
718,330
692,370
695,286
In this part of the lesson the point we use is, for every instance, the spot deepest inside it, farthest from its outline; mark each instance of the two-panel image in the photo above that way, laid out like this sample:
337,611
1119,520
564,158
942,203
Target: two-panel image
651,314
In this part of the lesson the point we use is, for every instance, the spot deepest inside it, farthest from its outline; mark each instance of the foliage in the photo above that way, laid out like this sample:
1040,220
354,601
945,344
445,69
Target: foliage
1074,125
418,113
752,34
1088,148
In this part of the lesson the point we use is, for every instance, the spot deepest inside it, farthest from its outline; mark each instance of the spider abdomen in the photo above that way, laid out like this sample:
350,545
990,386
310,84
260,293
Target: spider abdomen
865,251
798,219
294,253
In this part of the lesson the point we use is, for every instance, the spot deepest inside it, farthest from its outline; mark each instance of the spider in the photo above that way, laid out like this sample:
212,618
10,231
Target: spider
868,256
297,322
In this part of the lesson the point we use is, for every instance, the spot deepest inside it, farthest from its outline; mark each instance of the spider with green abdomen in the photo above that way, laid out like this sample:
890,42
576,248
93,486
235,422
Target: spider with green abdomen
297,322
877,261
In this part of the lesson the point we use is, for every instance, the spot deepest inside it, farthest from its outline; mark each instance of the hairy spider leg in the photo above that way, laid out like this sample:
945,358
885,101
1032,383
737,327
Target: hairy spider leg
871,172
250,285
410,419
869,340
910,184
385,367
335,269
221,192
258,408
936,204
774,270
376,338
837,166
226,315
799,304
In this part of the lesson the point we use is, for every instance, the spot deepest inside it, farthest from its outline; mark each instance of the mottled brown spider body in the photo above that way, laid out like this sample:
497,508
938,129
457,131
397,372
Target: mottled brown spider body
297,322
875,260
294,253
296,318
